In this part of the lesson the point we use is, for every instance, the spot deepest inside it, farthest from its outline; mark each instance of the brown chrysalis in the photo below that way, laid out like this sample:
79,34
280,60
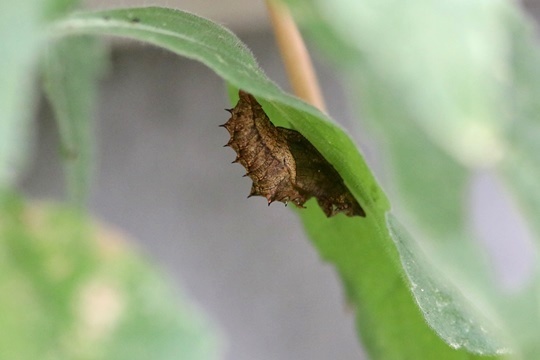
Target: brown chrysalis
283,164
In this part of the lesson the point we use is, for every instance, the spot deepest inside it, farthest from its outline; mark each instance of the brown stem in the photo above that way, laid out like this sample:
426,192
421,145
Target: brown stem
295,55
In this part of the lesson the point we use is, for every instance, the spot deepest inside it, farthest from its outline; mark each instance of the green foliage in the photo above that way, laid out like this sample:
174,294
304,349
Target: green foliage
72,290
361,249
451,87
435,79
71,70
19,49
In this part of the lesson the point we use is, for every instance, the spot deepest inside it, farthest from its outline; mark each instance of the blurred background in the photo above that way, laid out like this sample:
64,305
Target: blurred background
164,178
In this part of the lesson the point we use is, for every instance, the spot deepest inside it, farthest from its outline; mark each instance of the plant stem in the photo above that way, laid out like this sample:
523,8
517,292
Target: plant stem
295,56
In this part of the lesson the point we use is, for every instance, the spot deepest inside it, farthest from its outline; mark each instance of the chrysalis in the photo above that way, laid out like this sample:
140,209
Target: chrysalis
283,164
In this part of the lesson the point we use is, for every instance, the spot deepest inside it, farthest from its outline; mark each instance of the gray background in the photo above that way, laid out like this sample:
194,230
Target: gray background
164,177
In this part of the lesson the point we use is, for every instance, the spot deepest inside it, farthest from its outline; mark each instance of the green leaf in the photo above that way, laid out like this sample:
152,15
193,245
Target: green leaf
21,32
73,290
362,250
71,70
391,324
56,8
202,40
522,167
452,87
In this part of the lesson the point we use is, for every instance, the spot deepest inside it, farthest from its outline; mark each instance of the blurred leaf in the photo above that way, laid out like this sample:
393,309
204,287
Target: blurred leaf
71,70
56,8
521,167
21,32
73,290
452,88
362,250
